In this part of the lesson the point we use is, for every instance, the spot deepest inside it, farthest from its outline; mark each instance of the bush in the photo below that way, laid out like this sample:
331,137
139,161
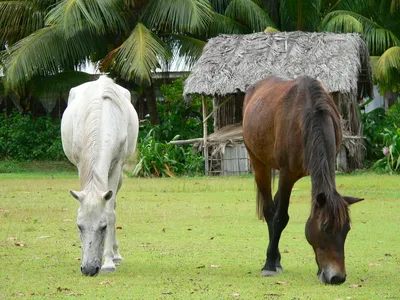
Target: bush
382,138
24,138
178,119
158,159
391,161
177,116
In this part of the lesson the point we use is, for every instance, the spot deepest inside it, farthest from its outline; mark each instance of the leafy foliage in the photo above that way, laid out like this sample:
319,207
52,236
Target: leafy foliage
23,138
177,116
391,160
99,16
142,49
163,159
388,70
178,120
382,138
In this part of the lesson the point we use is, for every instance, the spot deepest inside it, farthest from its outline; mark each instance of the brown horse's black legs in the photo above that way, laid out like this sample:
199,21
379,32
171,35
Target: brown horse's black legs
276,225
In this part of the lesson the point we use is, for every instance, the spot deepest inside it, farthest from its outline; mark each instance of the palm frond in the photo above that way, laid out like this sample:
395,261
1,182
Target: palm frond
341,23
249,13
46,51
179,16
300,14
17,20
361,7
377,37
223,24
189,49
139,55
100,16
387,70
220,6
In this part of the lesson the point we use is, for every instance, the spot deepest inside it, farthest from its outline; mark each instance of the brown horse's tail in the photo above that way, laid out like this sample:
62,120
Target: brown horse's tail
262,203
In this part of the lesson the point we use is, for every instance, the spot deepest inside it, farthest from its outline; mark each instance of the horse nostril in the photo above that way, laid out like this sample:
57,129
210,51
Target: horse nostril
97,270
338,280
82,270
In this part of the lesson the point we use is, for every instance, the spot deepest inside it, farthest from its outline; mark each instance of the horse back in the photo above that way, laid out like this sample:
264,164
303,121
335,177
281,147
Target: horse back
274,111
102,111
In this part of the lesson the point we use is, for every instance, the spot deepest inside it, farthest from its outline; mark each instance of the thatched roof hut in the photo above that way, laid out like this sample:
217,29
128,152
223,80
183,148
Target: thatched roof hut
231,63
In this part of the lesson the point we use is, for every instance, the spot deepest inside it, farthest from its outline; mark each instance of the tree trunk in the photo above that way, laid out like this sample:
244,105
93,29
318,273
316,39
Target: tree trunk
152,104
273,9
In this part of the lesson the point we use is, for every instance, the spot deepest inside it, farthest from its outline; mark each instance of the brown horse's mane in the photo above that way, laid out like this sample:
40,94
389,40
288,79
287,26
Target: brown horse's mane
322,133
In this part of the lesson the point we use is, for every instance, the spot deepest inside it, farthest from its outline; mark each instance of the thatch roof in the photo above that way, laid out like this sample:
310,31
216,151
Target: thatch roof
233,62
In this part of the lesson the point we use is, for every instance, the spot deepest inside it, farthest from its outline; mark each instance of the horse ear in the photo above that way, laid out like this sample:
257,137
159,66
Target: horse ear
77,195
321,199
351,200
108,195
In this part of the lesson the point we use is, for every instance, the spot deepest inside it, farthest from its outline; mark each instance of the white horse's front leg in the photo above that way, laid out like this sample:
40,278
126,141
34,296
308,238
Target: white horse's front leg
109,265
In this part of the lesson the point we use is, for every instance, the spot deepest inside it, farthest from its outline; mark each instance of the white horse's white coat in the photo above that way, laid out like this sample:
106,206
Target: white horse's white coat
99,131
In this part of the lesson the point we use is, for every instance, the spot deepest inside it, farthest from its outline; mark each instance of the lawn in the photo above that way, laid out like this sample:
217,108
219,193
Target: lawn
191,238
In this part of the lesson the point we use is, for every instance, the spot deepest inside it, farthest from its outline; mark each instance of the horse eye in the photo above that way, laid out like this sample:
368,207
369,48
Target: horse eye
80,227
102,228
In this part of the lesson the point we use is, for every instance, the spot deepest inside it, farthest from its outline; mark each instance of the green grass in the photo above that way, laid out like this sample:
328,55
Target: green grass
191,238
13,166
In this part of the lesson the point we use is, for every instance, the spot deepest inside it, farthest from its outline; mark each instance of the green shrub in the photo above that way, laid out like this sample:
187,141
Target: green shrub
178,119
159,159
391,161
177,116
24,138
382,138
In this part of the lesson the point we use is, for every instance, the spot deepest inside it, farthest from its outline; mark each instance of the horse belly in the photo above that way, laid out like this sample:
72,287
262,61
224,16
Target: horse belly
259,134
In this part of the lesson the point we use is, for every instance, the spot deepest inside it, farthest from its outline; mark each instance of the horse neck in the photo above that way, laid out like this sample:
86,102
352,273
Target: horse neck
321,131
93,171
92,180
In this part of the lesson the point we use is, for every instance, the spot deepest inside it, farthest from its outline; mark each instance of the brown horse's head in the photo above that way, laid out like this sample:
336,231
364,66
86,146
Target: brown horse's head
326,232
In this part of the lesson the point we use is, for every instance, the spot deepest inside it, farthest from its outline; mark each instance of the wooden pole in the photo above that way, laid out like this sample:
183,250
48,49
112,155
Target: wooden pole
190,141
205,152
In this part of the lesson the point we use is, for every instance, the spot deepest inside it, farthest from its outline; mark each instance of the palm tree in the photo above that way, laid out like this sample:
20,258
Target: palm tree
125,36
379,22
130,37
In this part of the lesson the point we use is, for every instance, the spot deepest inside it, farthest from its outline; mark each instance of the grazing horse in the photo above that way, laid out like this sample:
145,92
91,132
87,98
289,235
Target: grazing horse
99,131
294,126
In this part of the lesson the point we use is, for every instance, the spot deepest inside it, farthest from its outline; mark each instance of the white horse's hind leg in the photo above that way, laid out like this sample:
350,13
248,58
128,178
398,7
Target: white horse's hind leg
117,256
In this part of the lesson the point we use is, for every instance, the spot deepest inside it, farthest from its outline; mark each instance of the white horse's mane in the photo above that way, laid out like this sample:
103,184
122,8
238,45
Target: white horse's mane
100,90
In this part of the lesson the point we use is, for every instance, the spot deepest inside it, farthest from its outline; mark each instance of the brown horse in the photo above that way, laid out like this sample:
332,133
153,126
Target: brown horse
294,127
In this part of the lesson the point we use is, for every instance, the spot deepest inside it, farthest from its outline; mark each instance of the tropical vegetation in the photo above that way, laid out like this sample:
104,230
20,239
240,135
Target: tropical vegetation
50,40
382,139
132,38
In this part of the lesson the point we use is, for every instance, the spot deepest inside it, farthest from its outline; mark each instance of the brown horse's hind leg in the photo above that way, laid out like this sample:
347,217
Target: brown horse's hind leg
280,220
265,206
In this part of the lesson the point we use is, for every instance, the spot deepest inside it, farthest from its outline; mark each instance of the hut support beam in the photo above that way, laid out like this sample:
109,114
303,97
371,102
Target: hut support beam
205,133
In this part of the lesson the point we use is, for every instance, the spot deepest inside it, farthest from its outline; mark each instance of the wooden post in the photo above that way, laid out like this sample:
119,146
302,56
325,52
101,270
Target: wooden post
205,152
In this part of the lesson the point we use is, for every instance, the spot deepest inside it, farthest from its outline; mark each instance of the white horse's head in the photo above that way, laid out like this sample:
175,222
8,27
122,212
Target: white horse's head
92,224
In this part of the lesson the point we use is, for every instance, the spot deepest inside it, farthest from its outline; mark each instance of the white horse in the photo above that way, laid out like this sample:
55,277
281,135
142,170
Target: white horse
99,131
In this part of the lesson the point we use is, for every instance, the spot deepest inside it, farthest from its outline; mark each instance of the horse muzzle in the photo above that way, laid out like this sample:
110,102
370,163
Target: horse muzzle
329,277
90,270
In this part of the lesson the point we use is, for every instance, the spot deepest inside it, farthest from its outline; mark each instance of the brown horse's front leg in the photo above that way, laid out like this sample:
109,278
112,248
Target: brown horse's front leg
278,224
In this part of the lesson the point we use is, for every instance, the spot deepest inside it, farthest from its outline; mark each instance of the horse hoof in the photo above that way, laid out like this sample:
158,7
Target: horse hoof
268,273
279,270
117,259
108,269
